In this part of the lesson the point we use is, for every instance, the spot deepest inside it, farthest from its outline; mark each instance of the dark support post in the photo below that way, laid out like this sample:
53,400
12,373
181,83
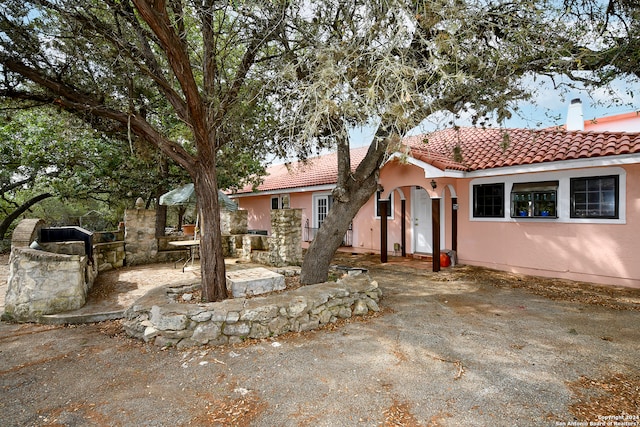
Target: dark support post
435,221
403,227
383,229
454,224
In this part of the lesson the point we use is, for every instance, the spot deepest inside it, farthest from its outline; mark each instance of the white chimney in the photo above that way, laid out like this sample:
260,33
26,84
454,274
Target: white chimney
575,118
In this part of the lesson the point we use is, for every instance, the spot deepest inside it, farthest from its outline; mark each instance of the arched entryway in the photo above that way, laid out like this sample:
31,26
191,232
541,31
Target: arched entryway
426,220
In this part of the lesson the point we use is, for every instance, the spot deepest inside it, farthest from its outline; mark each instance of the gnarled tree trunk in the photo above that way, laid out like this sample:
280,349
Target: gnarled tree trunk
214,281
353,190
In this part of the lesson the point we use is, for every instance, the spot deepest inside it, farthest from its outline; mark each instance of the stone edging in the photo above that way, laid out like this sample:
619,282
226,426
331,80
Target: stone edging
156,318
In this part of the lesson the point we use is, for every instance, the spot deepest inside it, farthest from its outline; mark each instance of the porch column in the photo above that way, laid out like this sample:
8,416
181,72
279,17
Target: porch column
382,208
403,227
454,224
435,222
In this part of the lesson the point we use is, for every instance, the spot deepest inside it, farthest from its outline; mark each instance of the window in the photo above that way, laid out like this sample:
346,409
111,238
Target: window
488,200
280,201
322,205
534,199
595,197
389,205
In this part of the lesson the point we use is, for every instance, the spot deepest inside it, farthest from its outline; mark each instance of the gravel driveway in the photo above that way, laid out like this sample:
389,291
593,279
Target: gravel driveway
454,349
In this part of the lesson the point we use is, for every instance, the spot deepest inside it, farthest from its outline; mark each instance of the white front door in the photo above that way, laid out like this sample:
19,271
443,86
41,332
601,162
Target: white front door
422,227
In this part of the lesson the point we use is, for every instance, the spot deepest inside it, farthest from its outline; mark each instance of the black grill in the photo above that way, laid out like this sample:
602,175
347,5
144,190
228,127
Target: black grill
69,234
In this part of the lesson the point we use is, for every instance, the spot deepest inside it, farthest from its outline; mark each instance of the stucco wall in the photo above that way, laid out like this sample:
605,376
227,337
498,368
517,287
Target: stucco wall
259,209
629,122
397,176
594,251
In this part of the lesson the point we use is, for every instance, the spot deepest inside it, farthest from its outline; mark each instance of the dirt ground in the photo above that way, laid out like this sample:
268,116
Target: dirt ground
466,346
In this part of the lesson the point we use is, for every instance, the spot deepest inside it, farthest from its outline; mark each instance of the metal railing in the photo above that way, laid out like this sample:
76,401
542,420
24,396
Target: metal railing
310,234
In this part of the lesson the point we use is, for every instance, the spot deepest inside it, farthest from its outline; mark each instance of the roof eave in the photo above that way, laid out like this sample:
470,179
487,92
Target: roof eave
310,188
590,162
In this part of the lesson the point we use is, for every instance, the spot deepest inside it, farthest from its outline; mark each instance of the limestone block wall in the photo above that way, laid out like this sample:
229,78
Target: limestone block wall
67,248
140,240
285,245
158,318
108,256
108,236
43,282
234,222
231,246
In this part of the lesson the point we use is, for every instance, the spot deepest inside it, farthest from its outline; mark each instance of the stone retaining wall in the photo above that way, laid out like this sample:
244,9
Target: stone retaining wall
108,256
158,318
45,283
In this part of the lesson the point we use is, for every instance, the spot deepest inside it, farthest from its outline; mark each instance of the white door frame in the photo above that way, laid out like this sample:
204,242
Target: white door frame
415,206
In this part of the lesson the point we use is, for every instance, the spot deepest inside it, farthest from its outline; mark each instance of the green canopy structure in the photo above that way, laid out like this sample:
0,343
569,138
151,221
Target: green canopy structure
186,195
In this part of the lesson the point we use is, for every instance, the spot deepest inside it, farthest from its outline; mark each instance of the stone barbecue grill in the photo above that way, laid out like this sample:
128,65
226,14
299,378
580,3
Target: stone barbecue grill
68,234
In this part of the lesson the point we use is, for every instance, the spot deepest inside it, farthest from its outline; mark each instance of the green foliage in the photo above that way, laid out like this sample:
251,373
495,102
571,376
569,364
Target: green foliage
49,151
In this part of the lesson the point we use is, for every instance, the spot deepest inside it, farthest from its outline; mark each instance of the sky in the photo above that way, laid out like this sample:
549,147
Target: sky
547,108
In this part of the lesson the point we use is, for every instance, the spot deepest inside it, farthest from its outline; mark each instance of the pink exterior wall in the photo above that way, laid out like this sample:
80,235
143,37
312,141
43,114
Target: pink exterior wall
259,209
594,252
629,122
589,251
396,176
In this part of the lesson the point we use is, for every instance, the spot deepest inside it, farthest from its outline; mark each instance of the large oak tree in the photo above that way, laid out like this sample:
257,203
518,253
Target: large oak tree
325,65
390,64
136,65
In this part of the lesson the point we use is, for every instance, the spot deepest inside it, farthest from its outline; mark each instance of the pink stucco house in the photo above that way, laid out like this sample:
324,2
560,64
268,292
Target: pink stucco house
551,202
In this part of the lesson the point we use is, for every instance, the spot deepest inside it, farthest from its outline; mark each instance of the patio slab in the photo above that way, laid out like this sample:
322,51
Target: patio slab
254,281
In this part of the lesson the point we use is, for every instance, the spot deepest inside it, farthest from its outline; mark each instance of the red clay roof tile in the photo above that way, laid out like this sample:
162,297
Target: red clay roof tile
467,149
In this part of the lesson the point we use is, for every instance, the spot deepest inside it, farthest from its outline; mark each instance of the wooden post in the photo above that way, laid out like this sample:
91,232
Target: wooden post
403,227
435,221
454,224
382,208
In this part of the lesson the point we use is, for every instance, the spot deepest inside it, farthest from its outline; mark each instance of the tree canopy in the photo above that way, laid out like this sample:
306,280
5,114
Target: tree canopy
186,77
46,153
196,78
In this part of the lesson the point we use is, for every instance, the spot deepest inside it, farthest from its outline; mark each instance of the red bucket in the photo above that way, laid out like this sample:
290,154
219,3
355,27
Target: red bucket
445,261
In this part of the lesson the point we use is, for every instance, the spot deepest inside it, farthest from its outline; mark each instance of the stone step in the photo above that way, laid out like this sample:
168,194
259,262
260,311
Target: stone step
254,281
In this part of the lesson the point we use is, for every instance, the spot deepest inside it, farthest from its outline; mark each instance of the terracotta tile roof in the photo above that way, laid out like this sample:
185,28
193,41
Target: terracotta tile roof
470,149
466,149
319,170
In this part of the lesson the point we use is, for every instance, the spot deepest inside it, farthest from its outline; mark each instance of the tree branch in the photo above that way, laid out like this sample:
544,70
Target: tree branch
154,13
73,100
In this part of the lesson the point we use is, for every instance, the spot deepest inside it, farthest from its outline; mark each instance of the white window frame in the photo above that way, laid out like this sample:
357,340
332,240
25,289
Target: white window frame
391,205
316,198
563,198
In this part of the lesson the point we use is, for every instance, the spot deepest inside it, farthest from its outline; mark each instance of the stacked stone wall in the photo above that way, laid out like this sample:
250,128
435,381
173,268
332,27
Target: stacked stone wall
108,256
140,240
160,319
45,283
69,247
233,222
285,245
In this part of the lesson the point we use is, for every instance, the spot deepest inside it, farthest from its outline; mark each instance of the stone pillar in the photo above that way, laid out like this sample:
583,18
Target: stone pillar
140,241
233,222
285,245
245,251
